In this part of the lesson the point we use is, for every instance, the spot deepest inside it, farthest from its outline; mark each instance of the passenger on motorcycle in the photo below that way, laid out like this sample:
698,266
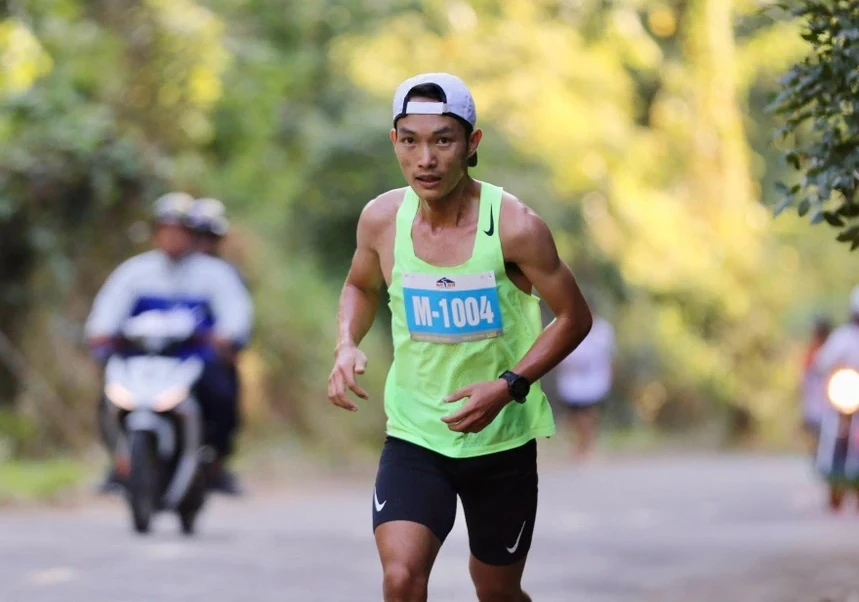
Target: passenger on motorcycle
207,218
174,276
813,384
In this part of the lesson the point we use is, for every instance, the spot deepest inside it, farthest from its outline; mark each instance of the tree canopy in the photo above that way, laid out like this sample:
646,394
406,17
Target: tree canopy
819,104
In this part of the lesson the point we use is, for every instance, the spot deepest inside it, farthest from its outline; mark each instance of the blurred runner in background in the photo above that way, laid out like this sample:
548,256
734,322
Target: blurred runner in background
584,380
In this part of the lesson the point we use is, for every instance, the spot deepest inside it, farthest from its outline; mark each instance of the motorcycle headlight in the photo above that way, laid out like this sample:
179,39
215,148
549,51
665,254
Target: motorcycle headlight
843,390
169,399
119,396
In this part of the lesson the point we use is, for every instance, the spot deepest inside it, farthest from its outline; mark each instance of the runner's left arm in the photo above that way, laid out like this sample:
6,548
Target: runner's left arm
529,244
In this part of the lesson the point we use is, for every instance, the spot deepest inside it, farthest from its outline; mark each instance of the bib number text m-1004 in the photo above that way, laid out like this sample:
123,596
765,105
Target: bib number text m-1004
457,312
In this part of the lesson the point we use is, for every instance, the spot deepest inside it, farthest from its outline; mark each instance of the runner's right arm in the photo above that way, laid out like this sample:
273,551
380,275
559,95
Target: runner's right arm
358,302
360,295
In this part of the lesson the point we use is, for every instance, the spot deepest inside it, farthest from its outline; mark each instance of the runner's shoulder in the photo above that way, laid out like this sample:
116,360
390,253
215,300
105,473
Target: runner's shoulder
519,222
381,212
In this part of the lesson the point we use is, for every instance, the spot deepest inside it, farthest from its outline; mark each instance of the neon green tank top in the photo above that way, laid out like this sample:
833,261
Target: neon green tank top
453,327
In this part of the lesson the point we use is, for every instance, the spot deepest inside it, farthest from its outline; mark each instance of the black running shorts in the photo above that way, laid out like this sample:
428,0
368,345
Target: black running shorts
498,493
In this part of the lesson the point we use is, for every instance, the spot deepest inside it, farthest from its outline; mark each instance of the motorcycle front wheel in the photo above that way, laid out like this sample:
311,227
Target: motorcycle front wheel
143,480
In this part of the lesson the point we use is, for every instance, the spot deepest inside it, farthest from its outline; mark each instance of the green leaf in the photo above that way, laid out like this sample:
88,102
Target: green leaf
783,204
793,159
849,210
832,219
804,206
848,234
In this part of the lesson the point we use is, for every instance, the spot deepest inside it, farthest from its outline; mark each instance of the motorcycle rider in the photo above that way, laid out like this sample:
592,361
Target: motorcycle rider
174,276
841,349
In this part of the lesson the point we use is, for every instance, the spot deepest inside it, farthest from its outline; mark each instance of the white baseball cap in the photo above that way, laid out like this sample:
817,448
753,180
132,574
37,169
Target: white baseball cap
209,215
854,300
172,208
456,100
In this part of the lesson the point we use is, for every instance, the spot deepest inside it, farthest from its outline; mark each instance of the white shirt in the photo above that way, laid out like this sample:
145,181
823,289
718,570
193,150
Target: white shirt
840,349
205,285
584,376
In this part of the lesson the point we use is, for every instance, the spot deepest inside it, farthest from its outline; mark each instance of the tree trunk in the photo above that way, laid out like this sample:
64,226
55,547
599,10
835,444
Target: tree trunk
16,264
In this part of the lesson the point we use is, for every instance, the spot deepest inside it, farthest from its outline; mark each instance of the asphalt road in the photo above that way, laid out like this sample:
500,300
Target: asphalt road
695,528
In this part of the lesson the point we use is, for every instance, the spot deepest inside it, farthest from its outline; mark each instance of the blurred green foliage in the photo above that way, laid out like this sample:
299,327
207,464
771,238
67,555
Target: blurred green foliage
637,128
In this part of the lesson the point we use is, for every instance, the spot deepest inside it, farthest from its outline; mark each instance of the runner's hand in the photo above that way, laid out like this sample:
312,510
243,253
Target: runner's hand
348,362
485,402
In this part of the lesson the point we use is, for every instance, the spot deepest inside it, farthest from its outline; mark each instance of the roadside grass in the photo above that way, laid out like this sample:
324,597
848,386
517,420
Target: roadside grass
28,481
275,458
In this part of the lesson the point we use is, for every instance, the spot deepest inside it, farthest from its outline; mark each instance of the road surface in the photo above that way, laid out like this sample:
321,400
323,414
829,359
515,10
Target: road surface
700,528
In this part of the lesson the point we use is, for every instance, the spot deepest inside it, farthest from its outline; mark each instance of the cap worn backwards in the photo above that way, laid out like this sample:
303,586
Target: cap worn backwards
456,101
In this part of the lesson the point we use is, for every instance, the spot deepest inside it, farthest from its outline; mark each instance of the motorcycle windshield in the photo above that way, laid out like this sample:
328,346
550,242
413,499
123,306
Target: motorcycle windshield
174,332
146,377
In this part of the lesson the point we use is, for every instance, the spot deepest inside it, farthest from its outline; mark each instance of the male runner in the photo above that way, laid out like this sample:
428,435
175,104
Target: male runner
461,259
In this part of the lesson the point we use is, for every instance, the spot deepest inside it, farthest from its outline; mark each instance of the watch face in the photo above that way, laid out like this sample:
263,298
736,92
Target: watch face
520,388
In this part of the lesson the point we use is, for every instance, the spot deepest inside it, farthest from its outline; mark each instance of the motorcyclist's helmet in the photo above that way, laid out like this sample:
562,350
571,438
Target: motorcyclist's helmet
208,216
173,208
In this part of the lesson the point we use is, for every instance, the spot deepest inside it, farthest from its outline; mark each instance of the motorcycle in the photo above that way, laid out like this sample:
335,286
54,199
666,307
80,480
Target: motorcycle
837,456
159,425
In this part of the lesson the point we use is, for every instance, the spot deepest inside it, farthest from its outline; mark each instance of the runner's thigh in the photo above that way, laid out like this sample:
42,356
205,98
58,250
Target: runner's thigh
412,485
499,500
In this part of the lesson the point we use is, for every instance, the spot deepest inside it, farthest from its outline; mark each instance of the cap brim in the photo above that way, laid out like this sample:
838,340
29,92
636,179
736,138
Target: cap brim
171,221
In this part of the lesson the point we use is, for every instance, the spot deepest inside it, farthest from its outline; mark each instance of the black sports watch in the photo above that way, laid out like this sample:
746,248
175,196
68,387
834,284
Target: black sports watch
517,385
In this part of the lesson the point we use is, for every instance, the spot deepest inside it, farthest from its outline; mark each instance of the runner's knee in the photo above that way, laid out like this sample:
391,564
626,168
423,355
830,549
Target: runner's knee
403,583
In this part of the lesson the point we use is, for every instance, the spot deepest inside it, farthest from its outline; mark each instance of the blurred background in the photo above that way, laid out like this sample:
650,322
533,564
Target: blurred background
637,128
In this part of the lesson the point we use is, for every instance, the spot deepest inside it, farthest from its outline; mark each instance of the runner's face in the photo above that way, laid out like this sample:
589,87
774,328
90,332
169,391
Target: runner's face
433,152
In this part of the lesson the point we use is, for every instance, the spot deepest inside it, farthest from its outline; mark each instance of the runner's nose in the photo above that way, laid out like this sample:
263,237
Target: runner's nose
427,159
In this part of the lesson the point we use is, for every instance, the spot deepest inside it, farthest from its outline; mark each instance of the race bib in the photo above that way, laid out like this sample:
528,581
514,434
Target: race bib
452,309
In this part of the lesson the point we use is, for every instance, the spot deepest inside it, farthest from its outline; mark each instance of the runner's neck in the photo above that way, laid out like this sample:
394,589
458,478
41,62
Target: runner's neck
451,210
